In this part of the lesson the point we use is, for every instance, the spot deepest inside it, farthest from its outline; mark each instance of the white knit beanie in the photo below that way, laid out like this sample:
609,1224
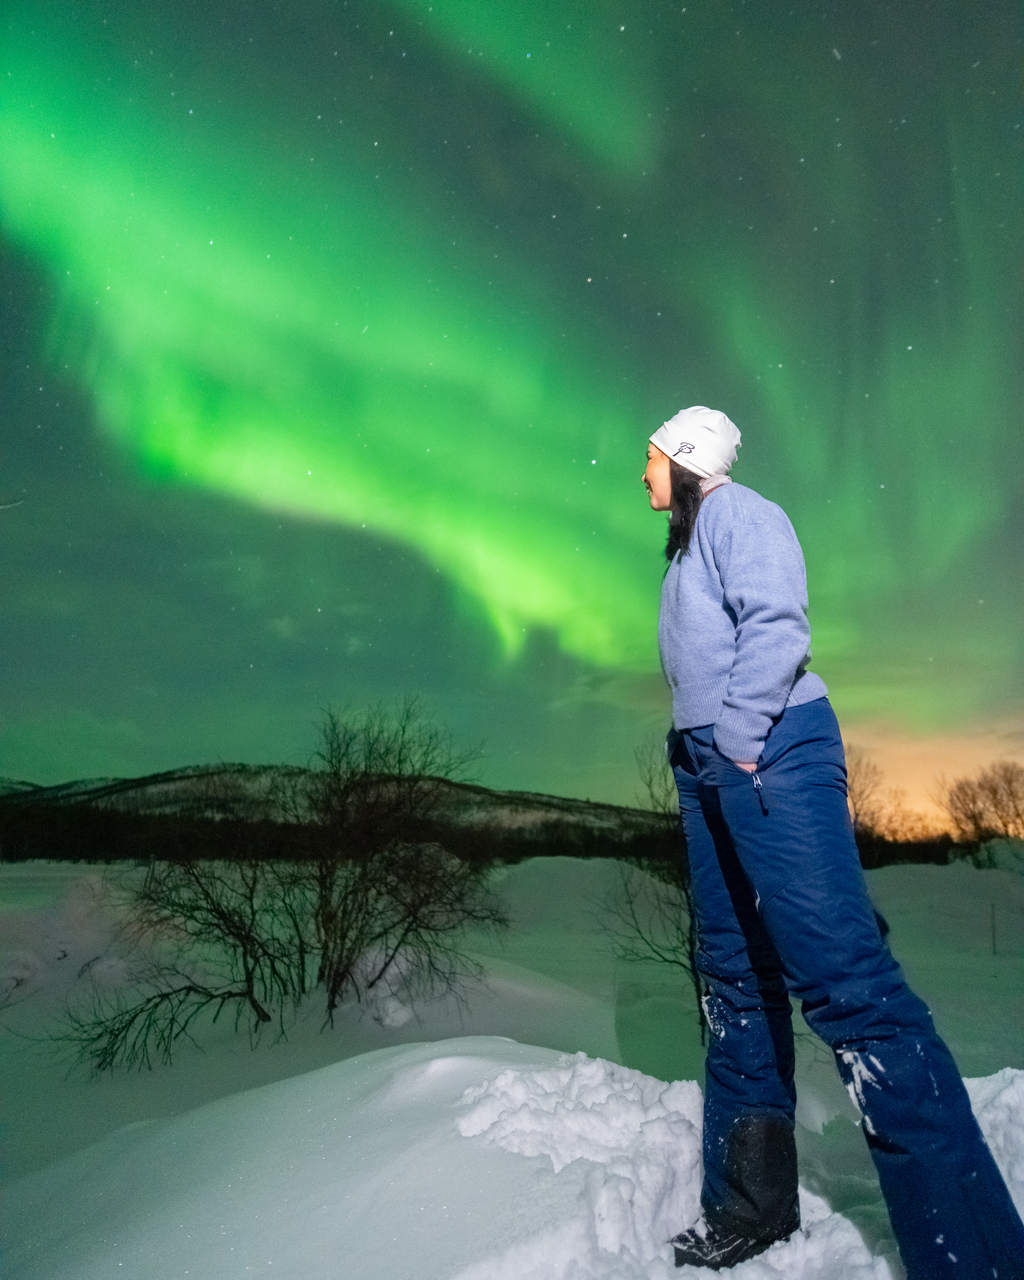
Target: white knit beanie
703,441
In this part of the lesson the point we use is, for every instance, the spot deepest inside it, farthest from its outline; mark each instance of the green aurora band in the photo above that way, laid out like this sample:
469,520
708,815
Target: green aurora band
437,270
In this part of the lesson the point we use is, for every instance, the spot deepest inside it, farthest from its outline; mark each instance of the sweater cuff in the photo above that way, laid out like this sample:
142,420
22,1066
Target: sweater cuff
740,735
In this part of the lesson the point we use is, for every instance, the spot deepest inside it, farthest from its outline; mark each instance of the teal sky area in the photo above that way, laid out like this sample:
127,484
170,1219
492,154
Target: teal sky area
333,334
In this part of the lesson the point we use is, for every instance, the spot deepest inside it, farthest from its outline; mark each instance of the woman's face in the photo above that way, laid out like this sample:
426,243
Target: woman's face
658,479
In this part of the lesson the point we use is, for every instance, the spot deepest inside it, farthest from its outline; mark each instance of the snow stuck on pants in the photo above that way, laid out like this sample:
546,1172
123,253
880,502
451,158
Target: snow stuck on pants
469,1159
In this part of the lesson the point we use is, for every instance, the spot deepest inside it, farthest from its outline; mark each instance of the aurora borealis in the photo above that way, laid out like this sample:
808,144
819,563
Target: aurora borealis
382,300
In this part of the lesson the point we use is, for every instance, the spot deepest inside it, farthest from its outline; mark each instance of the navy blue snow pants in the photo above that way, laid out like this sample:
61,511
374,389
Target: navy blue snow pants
782,910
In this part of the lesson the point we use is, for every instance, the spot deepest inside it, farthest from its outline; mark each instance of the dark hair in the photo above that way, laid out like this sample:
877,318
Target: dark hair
686,500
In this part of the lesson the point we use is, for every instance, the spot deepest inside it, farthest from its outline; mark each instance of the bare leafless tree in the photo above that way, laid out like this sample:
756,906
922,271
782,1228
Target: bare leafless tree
650,918
880,811
378,775
200,938
365,910
987,807
863,789
657,786
394,922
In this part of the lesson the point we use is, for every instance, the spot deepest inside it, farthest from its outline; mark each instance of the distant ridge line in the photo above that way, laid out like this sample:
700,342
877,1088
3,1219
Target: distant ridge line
171,786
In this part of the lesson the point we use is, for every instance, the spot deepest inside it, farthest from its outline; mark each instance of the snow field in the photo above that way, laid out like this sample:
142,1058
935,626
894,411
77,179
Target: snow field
470,1157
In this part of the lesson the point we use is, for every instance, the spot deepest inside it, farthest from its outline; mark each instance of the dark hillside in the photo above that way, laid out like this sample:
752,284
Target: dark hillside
243,811
238,811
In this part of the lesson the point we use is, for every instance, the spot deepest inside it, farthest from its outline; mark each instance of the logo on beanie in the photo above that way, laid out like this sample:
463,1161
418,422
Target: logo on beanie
685,447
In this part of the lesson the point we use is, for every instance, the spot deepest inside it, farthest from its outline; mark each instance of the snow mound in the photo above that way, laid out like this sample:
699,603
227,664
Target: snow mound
998,1103
643,1136
468,1159
639,1141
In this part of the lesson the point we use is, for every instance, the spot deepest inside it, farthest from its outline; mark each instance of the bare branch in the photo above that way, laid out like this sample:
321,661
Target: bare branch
863,789
652,919
658,788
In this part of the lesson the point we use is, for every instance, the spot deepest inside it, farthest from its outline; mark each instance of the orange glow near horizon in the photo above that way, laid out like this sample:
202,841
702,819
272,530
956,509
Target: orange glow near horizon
919,765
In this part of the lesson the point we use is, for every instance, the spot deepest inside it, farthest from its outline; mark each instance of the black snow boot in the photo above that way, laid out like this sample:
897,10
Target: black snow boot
716,1250
757,1201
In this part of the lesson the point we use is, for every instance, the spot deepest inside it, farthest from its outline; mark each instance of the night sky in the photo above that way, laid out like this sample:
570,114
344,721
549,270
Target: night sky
333,333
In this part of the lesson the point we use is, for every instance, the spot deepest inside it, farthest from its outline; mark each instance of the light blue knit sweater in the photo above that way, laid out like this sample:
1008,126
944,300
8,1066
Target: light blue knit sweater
732,628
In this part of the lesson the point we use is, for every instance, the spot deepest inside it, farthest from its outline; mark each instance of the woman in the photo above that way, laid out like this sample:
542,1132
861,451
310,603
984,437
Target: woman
780,902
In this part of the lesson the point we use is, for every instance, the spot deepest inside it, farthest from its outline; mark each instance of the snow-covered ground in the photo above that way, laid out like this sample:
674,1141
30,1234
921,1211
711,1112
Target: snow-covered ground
439,1147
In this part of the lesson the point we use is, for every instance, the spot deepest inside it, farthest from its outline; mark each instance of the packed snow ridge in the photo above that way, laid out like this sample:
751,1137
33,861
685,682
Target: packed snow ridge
469,1159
